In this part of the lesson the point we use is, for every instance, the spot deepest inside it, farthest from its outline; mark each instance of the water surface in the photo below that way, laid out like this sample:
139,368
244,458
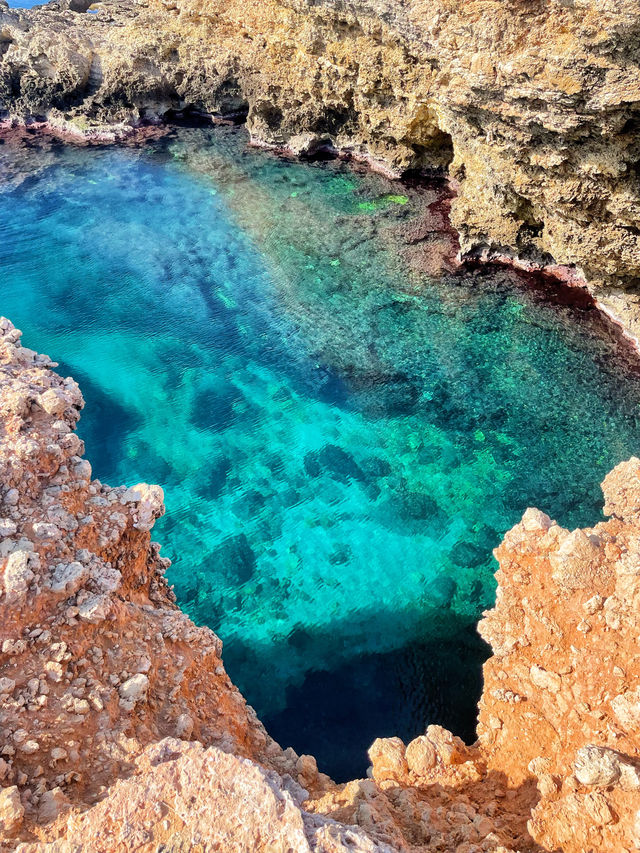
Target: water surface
344,425
25,4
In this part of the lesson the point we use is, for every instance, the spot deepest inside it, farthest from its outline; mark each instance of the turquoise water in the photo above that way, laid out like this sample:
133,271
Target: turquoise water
343,424
25,4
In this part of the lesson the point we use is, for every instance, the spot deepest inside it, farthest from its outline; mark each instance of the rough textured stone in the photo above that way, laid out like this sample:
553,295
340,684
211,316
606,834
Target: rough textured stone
387,756
595,766
421,756
11,811
531,106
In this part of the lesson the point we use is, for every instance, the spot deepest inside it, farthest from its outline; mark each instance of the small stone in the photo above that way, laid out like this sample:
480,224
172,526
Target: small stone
598,809
149,502
53,671
68,577
18,575
53,402
629,776
450,749
59,754
596,766
11,810
421,756
7,685
387,758
594,604
545,680
547,785
12,497
7,527
184,726
95,608
133,690
579,563
46,530
626,707
534,520
52,804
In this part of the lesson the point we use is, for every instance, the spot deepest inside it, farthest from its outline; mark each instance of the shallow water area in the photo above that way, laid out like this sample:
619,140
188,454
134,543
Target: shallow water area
344,422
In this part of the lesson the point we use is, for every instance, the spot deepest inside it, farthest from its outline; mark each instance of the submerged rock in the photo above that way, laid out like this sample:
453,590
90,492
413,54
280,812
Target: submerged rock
234,558
336,461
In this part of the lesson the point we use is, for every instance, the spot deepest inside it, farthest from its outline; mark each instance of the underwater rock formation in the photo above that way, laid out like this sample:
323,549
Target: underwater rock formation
532,107
120,730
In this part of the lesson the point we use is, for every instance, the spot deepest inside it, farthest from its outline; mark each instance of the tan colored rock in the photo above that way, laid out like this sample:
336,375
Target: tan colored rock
621,489
133,691
52,804
579,564
626,708
449,748
11,811
596,767
18,574
421,756
387,756
183,797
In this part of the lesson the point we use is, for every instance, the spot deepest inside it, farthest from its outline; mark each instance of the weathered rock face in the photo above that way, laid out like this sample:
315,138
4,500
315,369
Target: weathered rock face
532,106
119,729
561,692
96,661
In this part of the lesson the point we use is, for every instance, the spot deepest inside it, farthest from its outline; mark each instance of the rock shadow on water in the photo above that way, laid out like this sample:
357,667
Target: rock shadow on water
109,427
335,714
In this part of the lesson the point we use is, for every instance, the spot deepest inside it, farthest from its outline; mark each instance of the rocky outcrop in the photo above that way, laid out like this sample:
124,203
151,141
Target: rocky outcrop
96,662
119,729
531,106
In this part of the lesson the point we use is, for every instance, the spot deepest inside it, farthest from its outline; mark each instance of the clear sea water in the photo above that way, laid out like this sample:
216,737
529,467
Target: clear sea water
25,4
344,425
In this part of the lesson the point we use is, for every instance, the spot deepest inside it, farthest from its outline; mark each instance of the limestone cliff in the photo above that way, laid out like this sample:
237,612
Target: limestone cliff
532,106
119,729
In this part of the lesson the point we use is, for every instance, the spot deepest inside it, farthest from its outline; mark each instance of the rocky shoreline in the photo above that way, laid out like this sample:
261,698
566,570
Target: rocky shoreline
119,728
531,107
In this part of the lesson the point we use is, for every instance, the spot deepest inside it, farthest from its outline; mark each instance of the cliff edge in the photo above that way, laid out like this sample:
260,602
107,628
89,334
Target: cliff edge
120,730
532,107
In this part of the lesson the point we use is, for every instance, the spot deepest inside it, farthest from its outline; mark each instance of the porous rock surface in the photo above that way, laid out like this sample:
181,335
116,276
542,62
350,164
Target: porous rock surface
120,731
532,105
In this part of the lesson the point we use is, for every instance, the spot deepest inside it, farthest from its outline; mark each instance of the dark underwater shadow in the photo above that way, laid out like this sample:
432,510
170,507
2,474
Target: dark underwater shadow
336,713
105,433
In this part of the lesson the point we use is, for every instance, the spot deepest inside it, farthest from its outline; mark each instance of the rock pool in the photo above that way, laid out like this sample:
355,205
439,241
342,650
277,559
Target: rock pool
344,423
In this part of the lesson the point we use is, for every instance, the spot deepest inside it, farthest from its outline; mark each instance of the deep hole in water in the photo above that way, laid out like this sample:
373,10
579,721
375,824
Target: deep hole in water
344,422
393,694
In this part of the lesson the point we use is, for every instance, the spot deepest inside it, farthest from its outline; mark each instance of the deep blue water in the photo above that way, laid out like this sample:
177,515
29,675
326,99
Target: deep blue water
344,425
